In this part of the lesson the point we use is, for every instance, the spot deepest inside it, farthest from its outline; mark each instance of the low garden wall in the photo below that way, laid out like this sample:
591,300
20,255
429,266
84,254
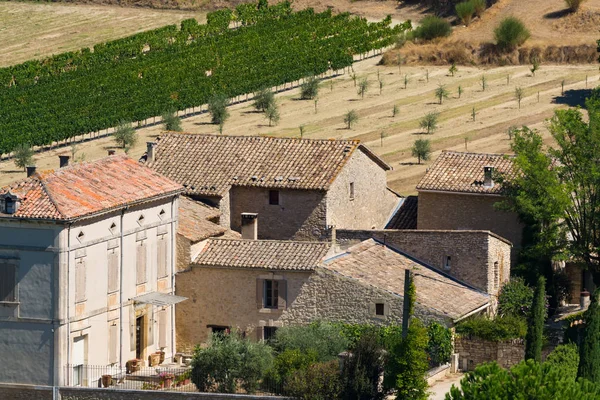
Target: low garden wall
474,351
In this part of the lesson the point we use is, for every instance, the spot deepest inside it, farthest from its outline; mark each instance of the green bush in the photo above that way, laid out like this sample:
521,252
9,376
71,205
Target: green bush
535,327
432,27
285,366
564,357
515,298
510,34
263,99
171,121
589,350
125,136
229,361
319,381
217,107
325,339
361,370
439,346
309,89
479,6
465,11
501,328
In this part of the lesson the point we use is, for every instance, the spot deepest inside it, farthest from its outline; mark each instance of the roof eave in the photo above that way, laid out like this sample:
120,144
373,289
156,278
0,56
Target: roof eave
378,160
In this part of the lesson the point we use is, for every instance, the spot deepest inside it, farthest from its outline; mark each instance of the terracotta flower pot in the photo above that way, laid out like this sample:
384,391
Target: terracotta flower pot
106,380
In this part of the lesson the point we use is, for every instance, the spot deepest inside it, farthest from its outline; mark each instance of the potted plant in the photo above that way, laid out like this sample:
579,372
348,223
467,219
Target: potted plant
106,380
166,379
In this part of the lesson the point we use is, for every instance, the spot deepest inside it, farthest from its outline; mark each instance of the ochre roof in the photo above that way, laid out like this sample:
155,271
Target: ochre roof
405,216
211,164
88,188
194,220
263,254
463,172
381,266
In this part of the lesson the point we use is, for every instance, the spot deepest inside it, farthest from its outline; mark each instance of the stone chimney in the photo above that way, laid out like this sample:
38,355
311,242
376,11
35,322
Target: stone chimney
488,180
112,152
64,161
31,170
150,151
250,226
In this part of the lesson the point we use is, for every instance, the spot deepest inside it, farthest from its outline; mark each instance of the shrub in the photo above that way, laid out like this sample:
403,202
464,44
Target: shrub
171,121
589,350
574,5
319,381
230,361
510,34
501,328
439,346
515,298
421,149
363,87
441,93
23,155
285,366
361,370
429,122
309,89
465,11
125,136
217,107
535,328
564,357
272,114
323,338
432,27
350,118
479,6
263,99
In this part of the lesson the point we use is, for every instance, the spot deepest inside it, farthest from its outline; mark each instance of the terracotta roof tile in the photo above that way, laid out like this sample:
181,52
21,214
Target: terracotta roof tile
264,254
463,172
381,266
211,164
406,215
194,220
88,188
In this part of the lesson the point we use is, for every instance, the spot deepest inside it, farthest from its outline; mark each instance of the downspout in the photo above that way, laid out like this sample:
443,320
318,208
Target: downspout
68,305
121,251
173,277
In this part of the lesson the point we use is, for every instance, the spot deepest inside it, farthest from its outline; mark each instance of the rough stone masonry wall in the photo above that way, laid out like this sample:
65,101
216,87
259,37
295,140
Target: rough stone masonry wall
474,351
472,253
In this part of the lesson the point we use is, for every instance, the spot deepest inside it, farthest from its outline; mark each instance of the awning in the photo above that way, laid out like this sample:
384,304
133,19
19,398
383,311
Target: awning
158,299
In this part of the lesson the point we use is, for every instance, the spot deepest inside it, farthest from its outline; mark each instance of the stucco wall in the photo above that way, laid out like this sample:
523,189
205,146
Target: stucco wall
225,297
328,296
373,203
300,214
446,211
472,253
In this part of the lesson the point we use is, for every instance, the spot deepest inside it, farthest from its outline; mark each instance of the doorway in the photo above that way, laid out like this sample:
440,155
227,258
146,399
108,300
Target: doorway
139,337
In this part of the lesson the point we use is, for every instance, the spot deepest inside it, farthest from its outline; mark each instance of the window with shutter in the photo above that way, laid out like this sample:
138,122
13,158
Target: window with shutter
113,344
282,294
271,293
8,281
162,256
80,278
140,276
113,271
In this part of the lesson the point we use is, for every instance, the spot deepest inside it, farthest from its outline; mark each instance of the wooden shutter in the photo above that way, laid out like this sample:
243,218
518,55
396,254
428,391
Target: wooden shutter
162,329
8,282
282,294
113,342
113,271
140,276
80,281
260,291
260,332
132,327
162,256
150,319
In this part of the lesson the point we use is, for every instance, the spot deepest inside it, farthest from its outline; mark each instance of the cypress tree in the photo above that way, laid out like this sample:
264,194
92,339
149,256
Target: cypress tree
535,330
589,350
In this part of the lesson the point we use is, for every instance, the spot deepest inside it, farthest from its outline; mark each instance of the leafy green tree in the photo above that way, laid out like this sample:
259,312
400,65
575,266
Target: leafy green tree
439,345
320,381
519,94
429,122
566,358
23,155
453,69
515,298
322,338
363,87
263,99
441,93
125,136
272,113
535,65
421,149
229,361
480,6
510,34
309,89
171,121
362,369
535,329
285,365
217,107
350,118
589,349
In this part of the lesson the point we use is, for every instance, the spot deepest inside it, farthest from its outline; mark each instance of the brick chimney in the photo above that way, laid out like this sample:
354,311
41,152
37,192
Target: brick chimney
111,152
488,180
150,151
64,160
31,170
250,226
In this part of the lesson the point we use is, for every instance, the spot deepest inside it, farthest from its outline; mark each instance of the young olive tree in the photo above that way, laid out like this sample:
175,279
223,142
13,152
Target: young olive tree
23,155
421,149
350,118
429,122
125,136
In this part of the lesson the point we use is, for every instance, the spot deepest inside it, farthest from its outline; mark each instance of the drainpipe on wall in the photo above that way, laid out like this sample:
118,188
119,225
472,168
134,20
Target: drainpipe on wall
173,277
68,372
122,247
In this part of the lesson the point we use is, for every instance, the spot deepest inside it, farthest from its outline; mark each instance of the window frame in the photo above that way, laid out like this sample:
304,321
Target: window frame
271,293
272,200
14,265
351,191
380,307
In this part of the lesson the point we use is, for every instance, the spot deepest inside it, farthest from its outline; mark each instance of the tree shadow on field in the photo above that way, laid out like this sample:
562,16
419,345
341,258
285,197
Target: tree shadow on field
557,14
573,97
203,123
408,163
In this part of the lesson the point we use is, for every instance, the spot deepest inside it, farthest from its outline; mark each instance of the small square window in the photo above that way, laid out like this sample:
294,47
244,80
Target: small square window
448,263
274,197
351,190
379,309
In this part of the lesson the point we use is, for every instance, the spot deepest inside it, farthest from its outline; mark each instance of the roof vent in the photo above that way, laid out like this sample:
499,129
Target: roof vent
150,150
63,160
31,170
488,180
292,179
278,178
253,178
9,203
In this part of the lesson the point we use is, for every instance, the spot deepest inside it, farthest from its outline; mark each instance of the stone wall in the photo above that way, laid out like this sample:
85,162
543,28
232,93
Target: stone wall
474,351
25,392
473,254
449,211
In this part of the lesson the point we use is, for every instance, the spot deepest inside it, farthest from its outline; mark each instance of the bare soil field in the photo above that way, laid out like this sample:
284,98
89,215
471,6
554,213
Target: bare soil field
496,110
37,30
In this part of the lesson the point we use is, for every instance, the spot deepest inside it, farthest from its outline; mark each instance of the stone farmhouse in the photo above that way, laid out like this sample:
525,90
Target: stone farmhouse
291,189
257,286
458,192
87,267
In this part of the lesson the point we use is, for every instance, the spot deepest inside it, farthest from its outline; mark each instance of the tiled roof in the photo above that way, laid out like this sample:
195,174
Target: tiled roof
375,264
194,220
264,254
406,215
463,172
88,188
211,164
